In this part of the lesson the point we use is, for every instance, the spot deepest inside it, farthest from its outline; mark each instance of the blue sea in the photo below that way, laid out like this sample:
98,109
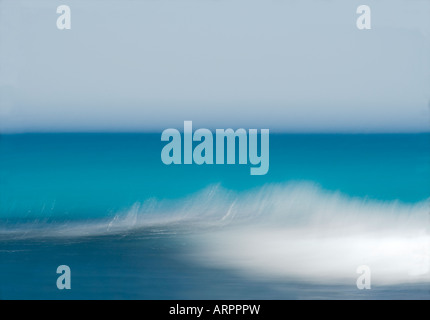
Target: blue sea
131,227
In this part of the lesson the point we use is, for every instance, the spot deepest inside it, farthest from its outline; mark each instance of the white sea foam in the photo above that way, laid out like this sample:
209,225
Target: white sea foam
304,233
282,231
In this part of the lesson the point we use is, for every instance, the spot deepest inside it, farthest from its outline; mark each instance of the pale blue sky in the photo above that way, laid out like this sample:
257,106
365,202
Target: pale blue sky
293,66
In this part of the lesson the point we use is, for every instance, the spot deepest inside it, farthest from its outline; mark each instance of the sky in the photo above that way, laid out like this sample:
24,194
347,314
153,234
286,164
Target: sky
291,66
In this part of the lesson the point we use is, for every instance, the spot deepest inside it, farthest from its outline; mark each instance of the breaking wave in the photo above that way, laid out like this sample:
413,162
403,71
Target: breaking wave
285,231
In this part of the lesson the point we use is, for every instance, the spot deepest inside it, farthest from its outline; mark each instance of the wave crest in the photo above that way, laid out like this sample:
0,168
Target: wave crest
285,231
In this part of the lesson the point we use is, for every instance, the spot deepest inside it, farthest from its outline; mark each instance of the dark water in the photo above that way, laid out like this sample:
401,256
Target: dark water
152,267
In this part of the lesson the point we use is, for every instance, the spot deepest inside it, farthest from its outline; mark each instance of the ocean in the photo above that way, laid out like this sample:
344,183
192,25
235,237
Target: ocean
131,227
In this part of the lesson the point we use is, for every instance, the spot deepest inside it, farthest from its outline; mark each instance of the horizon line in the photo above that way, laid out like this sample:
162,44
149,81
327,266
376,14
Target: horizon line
272,131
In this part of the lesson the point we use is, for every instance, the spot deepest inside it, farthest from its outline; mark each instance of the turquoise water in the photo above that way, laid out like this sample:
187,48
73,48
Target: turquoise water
131,227
75,176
